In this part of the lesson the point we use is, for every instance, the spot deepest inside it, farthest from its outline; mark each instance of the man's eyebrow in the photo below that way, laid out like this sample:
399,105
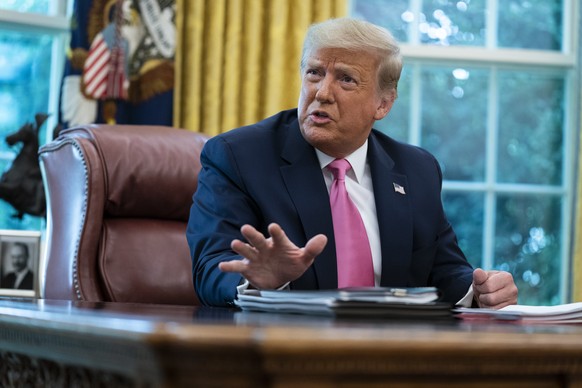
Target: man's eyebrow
351,70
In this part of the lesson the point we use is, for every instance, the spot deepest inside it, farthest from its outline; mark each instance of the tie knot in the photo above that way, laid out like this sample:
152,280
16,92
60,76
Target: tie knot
339,167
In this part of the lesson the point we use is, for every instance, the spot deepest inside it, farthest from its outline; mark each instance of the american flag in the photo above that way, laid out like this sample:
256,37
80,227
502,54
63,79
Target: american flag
116,81
96,68
104,74
398,188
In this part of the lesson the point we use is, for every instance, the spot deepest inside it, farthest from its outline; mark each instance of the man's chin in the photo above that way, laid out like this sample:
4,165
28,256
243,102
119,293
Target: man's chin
316,136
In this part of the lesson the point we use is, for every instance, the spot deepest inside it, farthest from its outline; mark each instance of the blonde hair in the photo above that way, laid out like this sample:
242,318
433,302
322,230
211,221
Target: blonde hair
358,35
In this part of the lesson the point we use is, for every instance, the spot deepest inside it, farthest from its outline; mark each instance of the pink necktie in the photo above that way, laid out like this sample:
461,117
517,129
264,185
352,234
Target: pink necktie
354,257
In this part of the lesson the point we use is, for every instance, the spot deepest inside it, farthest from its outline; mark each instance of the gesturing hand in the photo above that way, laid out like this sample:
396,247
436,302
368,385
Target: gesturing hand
494,289
269,263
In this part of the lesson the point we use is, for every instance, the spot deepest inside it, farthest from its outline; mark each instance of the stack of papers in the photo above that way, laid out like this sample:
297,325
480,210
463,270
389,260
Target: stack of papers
563,313
369,302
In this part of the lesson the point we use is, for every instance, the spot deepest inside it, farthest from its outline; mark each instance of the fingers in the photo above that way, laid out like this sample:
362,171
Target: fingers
253,236
244,249
494,289
249,251
490,281
499,299
256,241
479,276
315,245
233,266
313,248
270,262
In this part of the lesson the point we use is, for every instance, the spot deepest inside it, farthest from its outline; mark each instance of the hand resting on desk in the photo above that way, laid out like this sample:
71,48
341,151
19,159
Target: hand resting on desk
494,289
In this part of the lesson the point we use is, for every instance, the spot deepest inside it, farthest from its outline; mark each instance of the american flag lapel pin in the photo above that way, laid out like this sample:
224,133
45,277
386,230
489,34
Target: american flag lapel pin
399,189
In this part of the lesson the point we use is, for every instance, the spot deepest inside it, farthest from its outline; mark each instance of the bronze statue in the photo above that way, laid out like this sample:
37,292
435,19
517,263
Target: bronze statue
21,185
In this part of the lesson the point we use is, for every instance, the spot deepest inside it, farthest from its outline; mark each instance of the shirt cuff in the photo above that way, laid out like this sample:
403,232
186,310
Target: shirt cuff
241,288
467,300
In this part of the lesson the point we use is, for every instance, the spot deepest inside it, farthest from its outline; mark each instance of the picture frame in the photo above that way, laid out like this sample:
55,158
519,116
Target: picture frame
20,254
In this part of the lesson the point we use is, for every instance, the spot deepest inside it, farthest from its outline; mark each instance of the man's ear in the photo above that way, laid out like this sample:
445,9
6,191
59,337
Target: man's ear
386,103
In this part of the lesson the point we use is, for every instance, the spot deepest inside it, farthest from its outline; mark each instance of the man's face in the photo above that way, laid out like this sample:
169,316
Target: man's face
339,100
18,257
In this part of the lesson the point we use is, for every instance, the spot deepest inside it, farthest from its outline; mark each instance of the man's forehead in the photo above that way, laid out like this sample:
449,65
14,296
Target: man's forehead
340,57
328,60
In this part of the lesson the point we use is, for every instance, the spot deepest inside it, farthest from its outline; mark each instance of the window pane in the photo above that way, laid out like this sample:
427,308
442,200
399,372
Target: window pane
24,91
453,22
527,243
7,212
397,123
34,6
530,24
527,24
393,15
24,79
465,212
530,134
454,120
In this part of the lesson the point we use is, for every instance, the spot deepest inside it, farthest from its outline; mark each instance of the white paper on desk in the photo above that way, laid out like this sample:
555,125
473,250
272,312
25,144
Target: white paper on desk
348,301
414,295
562,312
268,300
256,302
533,311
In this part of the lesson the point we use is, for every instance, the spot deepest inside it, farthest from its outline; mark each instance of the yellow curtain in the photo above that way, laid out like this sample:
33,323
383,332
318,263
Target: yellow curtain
237,61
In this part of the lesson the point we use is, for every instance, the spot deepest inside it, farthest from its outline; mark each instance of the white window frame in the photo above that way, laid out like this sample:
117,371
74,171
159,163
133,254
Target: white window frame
565,60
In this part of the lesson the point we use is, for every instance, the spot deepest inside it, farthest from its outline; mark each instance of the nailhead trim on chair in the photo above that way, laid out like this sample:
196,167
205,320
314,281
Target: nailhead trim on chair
76,284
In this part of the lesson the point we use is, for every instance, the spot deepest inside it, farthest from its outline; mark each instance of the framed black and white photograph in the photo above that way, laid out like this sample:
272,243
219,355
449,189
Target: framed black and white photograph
19,263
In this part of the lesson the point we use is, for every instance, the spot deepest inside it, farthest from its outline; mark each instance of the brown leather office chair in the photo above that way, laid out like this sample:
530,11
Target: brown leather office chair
118,200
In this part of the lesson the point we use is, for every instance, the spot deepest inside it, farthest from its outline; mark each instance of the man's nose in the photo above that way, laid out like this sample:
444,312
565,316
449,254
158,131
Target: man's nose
325,90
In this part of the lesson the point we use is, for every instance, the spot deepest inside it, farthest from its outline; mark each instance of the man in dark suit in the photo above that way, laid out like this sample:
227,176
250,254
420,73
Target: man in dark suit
262,218
22,277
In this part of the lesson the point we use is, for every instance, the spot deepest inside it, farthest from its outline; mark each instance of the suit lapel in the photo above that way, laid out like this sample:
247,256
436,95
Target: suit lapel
394,215
306,186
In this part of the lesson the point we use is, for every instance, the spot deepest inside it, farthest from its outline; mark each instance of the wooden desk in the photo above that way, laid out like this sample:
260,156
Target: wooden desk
58,343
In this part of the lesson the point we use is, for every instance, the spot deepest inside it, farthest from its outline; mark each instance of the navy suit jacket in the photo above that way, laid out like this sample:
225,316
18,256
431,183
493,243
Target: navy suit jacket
267,172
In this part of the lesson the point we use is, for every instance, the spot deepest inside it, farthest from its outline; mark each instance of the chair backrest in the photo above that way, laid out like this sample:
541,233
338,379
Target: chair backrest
118,200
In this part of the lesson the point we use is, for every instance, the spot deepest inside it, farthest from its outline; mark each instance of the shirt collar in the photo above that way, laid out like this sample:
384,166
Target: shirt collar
357,159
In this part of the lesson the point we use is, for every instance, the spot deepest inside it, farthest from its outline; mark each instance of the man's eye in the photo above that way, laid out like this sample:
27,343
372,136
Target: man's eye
347,78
